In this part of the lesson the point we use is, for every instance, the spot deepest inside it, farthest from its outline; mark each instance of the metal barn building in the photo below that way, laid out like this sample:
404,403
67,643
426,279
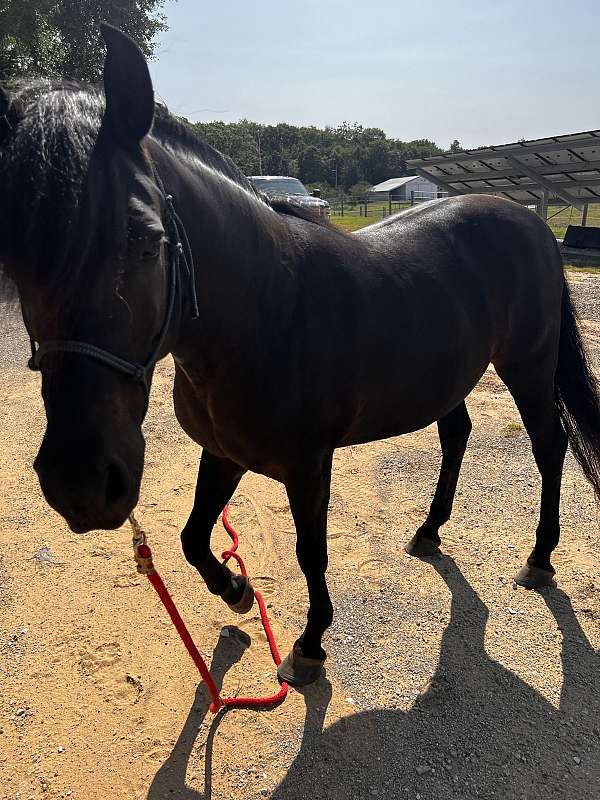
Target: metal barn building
403,190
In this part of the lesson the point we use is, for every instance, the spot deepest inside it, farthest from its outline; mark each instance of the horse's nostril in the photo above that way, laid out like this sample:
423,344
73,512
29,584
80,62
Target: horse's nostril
117,484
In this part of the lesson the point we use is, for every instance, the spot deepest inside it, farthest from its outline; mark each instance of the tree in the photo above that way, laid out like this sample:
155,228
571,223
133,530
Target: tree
360,189
455,147
61,38
311,166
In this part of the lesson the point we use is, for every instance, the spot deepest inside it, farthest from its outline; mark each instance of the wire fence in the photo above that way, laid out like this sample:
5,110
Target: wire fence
376,208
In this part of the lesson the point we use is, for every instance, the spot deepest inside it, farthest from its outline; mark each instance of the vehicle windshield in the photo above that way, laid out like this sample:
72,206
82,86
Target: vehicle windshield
279,185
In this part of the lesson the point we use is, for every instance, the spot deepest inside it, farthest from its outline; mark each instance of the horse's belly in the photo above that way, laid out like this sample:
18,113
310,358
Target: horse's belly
409,405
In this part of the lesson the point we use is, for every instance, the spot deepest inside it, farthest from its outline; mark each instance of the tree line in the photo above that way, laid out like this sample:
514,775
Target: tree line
344,158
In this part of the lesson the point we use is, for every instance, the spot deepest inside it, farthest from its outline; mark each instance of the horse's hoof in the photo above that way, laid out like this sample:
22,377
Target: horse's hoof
298,670
534,578
246,601
421,547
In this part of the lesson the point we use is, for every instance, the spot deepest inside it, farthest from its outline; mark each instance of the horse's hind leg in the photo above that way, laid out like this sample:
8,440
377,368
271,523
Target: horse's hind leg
218,479
537,406
454,430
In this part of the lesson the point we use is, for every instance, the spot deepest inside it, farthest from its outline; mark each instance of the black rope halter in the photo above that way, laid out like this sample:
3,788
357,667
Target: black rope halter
179,252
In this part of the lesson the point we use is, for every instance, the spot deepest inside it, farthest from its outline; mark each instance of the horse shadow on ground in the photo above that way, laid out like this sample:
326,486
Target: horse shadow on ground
478,731
170,780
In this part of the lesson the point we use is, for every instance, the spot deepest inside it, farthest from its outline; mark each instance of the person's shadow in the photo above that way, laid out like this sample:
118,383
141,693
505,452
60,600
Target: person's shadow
478,731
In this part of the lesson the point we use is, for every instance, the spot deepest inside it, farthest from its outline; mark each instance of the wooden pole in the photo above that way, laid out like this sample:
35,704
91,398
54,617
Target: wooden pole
584,215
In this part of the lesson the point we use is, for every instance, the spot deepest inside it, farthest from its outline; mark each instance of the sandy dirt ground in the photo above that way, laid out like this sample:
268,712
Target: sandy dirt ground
442,680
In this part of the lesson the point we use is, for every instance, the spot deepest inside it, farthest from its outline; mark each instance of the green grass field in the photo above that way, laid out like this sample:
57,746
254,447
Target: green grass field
558,218
592,270
352,221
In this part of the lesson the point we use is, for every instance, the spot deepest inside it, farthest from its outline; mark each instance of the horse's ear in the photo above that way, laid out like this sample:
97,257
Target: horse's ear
127,86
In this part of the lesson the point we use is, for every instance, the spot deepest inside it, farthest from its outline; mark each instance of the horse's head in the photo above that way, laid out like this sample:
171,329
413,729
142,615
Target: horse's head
82,238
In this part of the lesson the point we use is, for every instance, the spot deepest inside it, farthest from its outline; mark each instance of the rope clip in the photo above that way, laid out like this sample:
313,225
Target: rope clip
141,551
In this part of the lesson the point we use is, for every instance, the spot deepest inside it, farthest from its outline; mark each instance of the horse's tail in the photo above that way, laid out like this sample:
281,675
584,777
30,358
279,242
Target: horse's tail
577,395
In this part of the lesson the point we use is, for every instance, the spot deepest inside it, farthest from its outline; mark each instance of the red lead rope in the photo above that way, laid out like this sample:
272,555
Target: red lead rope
143,556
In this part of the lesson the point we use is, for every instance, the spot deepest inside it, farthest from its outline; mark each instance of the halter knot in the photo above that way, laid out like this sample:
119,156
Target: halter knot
139,373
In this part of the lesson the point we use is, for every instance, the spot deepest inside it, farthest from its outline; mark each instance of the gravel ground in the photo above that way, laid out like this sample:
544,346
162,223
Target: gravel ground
14,348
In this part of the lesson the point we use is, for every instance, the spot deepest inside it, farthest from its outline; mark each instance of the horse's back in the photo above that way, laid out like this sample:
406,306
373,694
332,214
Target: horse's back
489,256
419,305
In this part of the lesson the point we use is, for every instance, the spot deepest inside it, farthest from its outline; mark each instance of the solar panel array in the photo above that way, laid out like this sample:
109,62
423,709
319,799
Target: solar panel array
566,169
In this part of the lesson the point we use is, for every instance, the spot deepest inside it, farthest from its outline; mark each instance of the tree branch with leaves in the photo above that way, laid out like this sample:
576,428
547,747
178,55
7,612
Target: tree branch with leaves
61,38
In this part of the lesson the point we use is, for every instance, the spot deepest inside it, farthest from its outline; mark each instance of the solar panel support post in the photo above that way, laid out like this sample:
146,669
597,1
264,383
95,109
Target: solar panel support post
542,208
584,215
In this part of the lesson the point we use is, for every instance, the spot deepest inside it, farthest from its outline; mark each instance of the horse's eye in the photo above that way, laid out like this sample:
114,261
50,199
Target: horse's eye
150,252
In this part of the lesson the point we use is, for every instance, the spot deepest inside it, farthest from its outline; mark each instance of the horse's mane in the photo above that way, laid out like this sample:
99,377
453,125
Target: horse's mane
169,130
173,133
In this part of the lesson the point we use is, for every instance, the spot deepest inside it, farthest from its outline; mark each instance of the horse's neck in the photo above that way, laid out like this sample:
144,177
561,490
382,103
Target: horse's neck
240,248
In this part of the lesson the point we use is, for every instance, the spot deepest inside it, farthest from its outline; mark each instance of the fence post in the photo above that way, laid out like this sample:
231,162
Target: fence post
543,205
390,203
584,215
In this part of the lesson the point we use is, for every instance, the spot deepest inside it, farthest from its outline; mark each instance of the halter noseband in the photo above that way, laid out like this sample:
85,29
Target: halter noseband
179,251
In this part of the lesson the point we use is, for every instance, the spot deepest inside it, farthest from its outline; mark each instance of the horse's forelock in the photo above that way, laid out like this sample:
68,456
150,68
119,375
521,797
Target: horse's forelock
58,194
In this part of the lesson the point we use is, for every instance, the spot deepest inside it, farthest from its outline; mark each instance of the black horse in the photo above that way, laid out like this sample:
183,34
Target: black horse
290,338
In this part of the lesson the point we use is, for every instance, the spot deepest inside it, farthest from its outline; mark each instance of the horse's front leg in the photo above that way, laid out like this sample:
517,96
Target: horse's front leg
308,493
218,479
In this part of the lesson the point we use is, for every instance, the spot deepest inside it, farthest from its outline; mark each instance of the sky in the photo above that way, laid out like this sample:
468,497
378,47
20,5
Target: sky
483,72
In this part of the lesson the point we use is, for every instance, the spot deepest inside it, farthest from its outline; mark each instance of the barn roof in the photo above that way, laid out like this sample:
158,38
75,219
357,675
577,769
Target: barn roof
393,183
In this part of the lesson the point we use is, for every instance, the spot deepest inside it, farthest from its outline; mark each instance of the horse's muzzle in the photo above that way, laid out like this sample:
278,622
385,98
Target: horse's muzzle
90,498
